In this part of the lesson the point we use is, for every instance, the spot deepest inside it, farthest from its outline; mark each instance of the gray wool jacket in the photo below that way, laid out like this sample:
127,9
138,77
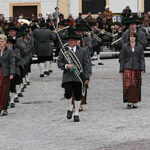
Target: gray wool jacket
7,62
68,76
132,60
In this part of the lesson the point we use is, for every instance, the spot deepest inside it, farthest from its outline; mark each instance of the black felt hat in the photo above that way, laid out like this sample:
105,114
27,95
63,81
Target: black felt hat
72,36
12,27
82,27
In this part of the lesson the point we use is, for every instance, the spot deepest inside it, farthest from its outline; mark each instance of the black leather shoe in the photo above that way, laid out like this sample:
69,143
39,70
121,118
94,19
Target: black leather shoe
100,63
22,90
69,114
16,100
47,73
50,71
41,75
129,106
76,119
24,86
28,83
134,106
12,105
20,95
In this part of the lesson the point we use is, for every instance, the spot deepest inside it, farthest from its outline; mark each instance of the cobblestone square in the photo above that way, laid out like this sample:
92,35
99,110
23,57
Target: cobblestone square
39,121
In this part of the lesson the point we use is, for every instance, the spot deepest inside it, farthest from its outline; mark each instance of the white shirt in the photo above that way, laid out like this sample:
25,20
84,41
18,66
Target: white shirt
74,48
132,49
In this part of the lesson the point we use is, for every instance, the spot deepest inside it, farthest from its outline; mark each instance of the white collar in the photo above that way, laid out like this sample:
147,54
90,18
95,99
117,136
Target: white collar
74,48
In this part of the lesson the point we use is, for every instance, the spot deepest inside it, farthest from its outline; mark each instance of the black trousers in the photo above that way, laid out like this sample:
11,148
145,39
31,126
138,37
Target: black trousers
15,81
73,89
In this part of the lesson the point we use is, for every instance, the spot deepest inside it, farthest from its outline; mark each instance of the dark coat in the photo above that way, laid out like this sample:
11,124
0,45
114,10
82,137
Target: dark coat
130,60
17,60
68,76
7,62
21,44
43,42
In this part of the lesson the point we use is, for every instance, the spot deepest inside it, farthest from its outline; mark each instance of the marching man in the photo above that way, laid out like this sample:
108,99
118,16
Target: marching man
70,82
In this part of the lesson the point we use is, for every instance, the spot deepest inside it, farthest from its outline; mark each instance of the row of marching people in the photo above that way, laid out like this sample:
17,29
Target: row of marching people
15,67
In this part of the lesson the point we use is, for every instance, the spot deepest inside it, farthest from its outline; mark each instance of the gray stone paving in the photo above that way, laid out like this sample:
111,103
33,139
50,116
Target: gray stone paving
39,121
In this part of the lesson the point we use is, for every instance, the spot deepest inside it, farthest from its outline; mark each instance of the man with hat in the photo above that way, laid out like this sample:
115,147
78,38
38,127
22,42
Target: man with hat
12,33
43,48
62,33
86,43
95,43
70,82
11,44
132,23
118,32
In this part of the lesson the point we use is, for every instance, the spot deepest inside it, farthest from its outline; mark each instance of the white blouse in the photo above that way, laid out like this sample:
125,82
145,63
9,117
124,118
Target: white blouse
132,49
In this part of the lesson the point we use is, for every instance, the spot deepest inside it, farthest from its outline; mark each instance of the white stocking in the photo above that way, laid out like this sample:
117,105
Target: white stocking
70,106
12,96
50,65
77,106
46,65
40,68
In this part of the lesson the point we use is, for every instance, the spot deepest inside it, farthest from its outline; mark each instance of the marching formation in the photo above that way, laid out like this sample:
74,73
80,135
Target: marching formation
74,42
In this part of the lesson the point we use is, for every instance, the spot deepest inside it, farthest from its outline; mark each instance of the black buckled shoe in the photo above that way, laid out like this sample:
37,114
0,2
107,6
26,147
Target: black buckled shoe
22,90
20,95
16,100
76,119
100,63
134,106
12,105
41,75
46,72
50,71
69,114
129,106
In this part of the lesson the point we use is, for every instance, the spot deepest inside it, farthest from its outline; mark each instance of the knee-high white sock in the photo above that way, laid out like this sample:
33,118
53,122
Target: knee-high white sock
46,65
17,90
70,106
20,87
98,57
50,65
77,106
24,81
40,68
12,96
28,77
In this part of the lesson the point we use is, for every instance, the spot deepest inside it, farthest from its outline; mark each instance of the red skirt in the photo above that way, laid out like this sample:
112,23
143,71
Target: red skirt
4,91
131,86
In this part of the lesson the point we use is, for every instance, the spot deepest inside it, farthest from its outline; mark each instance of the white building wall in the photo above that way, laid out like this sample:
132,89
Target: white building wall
74,7
117,6
46,5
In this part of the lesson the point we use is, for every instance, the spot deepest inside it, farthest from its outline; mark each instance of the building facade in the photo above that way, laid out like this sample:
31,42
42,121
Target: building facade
16,7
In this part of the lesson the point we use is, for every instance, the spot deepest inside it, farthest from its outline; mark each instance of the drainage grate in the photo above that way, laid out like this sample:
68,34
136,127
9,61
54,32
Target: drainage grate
37,102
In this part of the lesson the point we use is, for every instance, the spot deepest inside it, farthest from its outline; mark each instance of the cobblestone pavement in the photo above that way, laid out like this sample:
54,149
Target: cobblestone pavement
39,121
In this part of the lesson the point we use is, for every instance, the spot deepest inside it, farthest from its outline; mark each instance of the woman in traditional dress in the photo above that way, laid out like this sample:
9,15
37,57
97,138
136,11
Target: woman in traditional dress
7,70
132,65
